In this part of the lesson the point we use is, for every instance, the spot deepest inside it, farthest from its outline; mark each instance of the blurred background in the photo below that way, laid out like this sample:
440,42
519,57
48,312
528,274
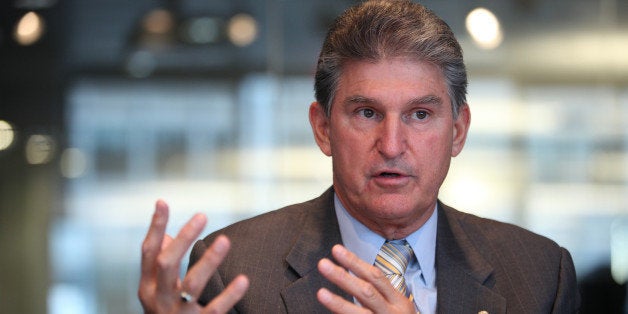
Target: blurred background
108,105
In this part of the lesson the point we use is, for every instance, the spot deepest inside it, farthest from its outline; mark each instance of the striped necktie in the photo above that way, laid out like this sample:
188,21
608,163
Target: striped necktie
393,259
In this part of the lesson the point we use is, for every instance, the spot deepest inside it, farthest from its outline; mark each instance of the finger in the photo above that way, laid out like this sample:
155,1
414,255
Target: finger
362,290
199,274
229,297
169,261
393,300
166,241
338,304
365,271
151,246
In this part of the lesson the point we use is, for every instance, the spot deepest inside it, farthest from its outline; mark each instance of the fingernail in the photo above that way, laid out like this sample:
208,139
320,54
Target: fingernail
221,244
160,215
324,295
161,205
339,250
198,220
324,265
242,282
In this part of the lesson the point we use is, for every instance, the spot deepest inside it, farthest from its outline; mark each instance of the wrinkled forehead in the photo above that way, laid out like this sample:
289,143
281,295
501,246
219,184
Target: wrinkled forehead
392,75
435,71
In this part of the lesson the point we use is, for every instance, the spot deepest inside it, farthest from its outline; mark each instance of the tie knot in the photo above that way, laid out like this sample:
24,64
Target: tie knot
394,257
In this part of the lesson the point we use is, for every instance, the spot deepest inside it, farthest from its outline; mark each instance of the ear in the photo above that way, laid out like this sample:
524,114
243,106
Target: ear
461,128
320,127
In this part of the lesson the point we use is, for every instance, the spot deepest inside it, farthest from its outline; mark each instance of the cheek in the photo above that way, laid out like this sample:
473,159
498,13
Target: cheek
345,154
433,143
348,143
433,151
350,157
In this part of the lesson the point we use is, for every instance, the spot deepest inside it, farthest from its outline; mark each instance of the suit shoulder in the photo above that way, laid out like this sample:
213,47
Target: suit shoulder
277,224
266,223
501,235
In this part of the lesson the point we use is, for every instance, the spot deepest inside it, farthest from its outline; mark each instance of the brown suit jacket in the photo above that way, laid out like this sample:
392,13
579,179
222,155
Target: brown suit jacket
481,264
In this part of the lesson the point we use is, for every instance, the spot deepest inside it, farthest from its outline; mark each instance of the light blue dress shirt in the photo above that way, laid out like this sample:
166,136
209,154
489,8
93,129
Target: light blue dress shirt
420,277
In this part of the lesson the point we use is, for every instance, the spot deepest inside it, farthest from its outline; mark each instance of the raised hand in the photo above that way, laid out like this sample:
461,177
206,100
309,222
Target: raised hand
367,284
161,290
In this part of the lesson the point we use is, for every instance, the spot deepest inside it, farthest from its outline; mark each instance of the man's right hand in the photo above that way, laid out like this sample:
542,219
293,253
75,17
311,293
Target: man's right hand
161,290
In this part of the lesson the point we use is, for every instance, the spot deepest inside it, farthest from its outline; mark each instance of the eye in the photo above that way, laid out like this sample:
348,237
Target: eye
421,114
367,113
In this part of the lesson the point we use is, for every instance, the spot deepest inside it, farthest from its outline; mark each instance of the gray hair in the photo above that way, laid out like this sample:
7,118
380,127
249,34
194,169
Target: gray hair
380,29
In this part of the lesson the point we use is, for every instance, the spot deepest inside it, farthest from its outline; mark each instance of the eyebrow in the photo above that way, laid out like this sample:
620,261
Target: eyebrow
424,100
427,100
360,100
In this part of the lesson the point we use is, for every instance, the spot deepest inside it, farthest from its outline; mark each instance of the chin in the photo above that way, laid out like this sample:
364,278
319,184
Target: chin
399,206
390,210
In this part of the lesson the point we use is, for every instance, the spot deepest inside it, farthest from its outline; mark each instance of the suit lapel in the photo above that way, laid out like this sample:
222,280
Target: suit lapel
319,234
464,277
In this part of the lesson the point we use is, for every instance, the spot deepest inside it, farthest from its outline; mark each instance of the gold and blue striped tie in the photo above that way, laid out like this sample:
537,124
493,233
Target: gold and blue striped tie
393,259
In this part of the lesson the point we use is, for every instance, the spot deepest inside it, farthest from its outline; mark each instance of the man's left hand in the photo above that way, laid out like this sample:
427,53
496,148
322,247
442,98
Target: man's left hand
366,283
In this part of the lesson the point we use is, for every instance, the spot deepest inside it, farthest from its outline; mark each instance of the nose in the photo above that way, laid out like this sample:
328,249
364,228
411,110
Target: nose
392,140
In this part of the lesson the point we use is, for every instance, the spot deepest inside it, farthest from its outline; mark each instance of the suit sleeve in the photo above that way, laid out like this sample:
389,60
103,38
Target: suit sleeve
567,295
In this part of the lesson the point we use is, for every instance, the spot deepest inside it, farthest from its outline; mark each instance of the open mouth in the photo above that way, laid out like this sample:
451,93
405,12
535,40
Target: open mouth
389,175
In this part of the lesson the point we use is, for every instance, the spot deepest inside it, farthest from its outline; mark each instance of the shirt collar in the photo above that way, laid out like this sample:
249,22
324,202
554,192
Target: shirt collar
365,243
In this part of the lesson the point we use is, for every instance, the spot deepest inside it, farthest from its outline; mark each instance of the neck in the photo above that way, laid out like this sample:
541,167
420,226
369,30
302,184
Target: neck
392,228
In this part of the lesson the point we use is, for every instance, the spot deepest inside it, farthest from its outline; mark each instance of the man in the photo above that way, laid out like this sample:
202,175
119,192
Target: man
391,112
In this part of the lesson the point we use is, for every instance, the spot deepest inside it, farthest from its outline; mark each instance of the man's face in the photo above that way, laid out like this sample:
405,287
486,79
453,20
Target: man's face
391,135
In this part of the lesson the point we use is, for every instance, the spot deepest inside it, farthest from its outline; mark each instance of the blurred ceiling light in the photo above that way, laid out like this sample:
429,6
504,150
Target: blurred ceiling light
158,22
39,149
242,29
484,28
6,135
141,64
73,163
29,29
201,30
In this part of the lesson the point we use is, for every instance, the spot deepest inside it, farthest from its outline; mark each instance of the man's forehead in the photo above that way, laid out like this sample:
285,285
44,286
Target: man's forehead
363,77
356,66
